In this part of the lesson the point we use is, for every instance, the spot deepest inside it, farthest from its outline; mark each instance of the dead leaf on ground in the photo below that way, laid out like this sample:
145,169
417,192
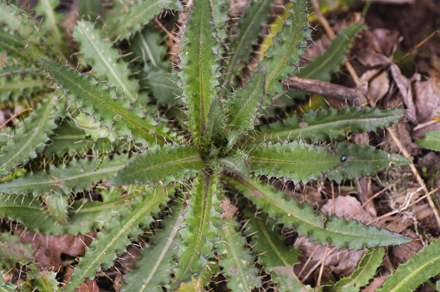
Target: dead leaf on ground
229,209
427,102
404,86
49,248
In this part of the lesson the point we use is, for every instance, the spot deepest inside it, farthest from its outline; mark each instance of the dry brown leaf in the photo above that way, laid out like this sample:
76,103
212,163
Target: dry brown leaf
229,209
376,284
427,102
345,206
49,248
404,86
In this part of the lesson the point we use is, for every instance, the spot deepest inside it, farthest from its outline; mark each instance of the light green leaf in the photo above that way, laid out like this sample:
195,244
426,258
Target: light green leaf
115,237
154,267
249,28
288,47
328,124
30,137
199,64
160,166
235,162
139,14
216,123
200,230
57,207
235,259
105,105
78,175
16,19
13,251
417,270
363,160
307,222
366,271
164,87
293,161
51,19
431,141
6,286
13,87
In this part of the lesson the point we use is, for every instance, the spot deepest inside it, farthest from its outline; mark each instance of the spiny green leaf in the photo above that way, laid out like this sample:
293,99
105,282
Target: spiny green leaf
235,162
200,229
220,9
366,271
104,60
17,68
78,175
288,47
44,281
160,166
146,46
267,241
307,222
115,237
216,122
417,270
294,161
164,87
431,141
243,106
113,112
154,268
14,46
13,87
30,138
13,251
16,19
249,28
363,160
199,64
274,255
51,19
235,259
328,124
139,14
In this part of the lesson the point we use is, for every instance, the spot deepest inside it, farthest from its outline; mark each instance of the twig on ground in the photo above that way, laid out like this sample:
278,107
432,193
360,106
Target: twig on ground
14,116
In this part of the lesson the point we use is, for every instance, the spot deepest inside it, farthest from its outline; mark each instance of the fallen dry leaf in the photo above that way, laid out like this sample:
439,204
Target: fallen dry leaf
404,86
229,209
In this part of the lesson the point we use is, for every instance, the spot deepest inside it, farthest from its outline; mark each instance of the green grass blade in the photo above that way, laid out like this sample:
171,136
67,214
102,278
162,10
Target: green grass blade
115,237
199,64
160,166
30,138
293,161
104,104
307,222
417,270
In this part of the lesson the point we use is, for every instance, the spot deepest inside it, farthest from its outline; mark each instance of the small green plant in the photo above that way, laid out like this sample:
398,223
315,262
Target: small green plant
193,169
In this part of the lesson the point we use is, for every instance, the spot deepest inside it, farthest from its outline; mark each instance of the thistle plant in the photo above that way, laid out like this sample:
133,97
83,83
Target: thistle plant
192,172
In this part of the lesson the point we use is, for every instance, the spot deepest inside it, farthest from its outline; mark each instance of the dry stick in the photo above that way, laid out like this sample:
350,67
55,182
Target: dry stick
416,173
308,260
418,45
166,30
318,284
404,207
318,263
372,198
323,88
14,116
